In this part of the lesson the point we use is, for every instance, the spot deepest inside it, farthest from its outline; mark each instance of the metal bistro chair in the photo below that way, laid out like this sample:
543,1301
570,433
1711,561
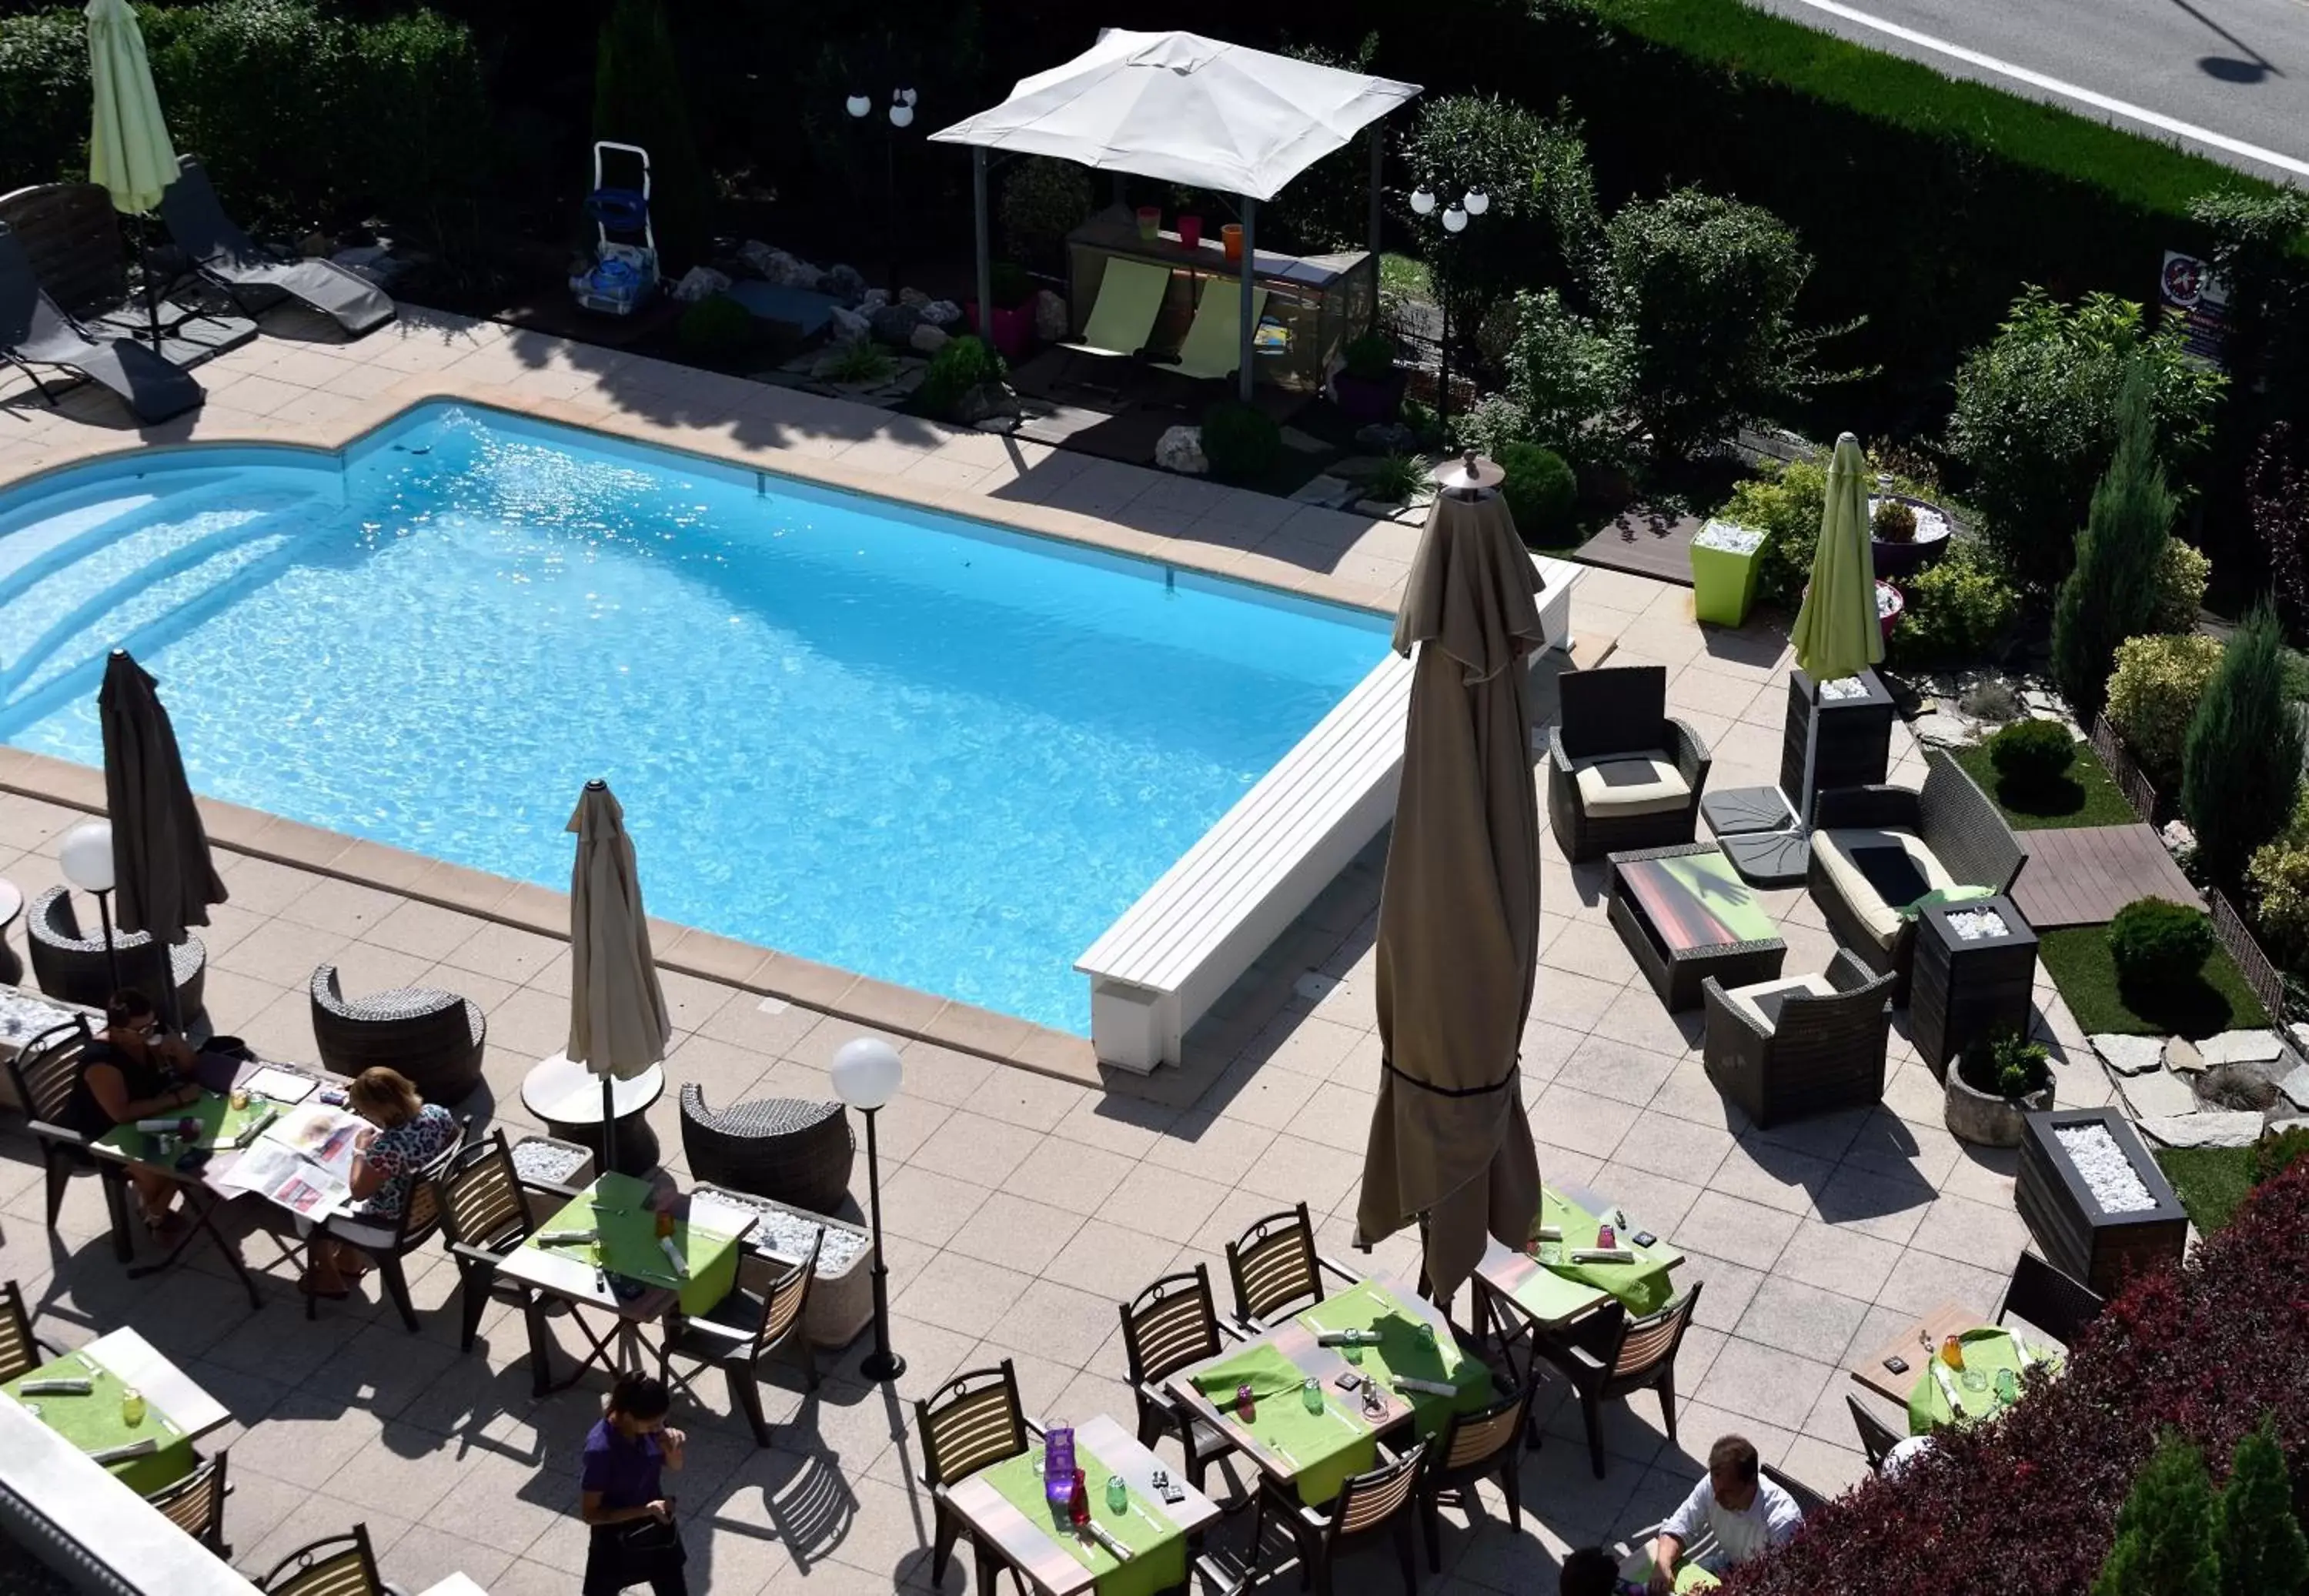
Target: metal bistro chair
420,1217
1368,1506
1877,1439
484,1216
1609,1355
43,1075
743,1329
971,1422
196,1505
1167,1326
1475,1446
1276,1268
2052,1301
336,1566
21,1351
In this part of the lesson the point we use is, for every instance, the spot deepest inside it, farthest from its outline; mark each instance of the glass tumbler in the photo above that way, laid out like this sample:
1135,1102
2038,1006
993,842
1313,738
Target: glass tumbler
1118,1493
1311,1393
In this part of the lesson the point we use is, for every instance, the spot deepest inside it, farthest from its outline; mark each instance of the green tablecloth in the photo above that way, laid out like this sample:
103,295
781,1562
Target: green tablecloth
93,1423
1323,1449
1986,1350
1367,1305
221,1126
1158,1548
1643,1286
616,1207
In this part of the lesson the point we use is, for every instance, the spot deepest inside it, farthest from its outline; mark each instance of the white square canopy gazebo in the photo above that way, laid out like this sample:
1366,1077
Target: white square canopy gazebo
1185,109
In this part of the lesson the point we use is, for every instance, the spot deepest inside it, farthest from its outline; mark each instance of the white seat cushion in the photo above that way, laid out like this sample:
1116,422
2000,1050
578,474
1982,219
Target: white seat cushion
1743,998
1642,783
1860,864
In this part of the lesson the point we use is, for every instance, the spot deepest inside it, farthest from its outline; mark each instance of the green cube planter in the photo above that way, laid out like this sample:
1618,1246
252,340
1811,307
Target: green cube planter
1724,578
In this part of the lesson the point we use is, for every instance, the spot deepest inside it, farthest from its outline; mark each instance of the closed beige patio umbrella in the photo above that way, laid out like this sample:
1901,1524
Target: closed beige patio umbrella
1458,920
617,1022
161,863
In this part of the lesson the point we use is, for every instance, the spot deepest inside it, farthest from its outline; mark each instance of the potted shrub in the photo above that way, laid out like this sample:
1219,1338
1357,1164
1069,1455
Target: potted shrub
1997,1081
1369,386
1905,534
1241,442
1014,311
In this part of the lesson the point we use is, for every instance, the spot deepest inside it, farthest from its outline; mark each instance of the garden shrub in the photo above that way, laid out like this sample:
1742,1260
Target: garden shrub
2241,761
639,99
2257,1537
1705,288
2006,1065
2273,1155
2279,879
716,328
2032,754
2036,419
1785,504
964,362
1369,357
1541,492
1241,441
1396,478
1011,284
1958,611
2112,593
2154,693
2157,943
1568,376
2164,1530
1892,522
2210,1346
2184,572
1043,198
2255,250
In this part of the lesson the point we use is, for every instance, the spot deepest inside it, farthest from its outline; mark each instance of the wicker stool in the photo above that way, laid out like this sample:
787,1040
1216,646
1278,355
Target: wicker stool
781,1147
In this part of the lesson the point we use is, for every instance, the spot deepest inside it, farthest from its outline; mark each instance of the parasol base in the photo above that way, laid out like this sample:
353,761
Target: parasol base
1769,859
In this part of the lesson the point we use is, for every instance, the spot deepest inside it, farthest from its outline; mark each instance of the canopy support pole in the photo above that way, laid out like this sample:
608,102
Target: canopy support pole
1250,271
1378,173
984,249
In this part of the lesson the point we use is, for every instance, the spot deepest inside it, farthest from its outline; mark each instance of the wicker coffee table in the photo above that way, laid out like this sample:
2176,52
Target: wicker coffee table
1686,915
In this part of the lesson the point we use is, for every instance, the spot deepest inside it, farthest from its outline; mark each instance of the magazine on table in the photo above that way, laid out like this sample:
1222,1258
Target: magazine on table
304,1160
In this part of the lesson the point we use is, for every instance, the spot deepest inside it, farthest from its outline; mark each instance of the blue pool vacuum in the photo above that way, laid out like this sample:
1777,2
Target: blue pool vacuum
622,275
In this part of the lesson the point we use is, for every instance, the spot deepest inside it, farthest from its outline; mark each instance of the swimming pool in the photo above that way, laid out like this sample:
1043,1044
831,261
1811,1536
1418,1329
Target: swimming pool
920,748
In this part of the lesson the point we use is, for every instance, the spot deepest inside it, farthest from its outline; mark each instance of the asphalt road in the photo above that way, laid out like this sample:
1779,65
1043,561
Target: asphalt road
2228,78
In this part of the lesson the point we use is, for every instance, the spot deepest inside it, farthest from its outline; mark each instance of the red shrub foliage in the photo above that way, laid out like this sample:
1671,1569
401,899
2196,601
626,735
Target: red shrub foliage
2029,1504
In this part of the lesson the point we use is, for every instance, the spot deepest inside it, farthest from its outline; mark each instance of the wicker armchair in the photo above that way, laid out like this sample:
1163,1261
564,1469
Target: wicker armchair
1876,850
1622,774
1812,1044
433,1038
72,966
796,1151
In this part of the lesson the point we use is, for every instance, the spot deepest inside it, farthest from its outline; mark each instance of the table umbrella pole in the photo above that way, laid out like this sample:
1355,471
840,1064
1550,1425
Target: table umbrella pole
608,1124
152,300
111,953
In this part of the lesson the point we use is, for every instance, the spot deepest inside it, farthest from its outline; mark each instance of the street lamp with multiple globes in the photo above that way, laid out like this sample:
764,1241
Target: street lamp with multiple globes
902,117
867,1073
1474,203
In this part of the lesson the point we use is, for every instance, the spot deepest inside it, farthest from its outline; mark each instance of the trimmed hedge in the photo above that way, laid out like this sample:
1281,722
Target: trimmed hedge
2029,1502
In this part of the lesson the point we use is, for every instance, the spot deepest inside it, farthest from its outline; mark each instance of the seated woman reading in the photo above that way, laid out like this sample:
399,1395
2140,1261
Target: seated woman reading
408,1134
134,1070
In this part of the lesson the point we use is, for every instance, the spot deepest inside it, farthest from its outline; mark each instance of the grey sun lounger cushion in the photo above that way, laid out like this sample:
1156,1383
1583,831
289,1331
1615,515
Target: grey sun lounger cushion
33,331
227,257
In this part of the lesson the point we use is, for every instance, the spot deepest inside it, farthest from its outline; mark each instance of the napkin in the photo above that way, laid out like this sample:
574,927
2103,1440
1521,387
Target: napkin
116,1454
56,1387
1948,1388
1603,1255
566,1238
1432,1387
673,1255
1107,1539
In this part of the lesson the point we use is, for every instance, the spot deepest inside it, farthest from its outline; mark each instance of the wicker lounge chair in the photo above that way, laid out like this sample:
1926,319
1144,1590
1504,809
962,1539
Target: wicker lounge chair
223,254
1622,774
1808,1044
1876,850
434,1038
72,966
797,1151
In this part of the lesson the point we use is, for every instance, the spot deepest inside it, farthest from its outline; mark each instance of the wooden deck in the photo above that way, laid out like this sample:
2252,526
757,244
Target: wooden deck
2081,876
1645,542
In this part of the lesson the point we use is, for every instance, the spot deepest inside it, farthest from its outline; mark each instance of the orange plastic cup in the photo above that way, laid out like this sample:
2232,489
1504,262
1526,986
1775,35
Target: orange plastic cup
1952,1352
1231,239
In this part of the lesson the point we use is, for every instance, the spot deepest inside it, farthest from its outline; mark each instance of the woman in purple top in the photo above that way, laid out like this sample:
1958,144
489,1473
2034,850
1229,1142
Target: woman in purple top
635,1540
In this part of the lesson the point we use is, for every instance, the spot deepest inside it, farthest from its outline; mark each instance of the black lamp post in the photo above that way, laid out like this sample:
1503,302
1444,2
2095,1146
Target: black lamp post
867,1073
902,117
1455,218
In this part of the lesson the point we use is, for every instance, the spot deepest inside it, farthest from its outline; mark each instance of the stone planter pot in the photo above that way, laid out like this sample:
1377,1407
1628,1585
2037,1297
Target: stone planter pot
1014,328
2077,1235
1933,526
841,1293
1985,1120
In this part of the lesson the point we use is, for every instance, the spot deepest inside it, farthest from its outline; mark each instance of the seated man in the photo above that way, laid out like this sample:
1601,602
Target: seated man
1589,1571
134,1070
1748,1513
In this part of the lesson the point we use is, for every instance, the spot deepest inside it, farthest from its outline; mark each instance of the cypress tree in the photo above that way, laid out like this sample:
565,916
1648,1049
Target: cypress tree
2241,761
2254,1531
639,99
2164,1530
2111,594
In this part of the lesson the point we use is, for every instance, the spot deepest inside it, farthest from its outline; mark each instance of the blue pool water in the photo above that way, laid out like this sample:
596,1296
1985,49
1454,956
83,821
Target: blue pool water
905,744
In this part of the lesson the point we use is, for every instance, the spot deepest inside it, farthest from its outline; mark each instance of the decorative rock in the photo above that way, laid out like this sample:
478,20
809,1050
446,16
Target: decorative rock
2157,1094
941,313
2177,838
2205,1130
913,296
702,283
1303,441
1386,437
2241,1047
2129,1055
846,283
894,323
1052,322
930,338
2296,1086
2300,1032
1942,730
988,399
777,266
1180,449
2181,1053
849,326
1332,493
873,300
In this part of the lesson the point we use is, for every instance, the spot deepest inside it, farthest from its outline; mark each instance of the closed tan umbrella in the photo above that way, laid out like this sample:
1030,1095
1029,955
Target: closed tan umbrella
161,863
617,1022
1458,918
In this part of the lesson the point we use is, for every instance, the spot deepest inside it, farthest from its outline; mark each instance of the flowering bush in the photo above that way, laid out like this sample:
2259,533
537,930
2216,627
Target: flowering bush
2153,693
2183,571
2029,1503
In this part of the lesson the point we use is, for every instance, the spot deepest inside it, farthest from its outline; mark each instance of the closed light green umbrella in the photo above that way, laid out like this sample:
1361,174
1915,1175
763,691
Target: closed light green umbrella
618,1025
129,155
1838,633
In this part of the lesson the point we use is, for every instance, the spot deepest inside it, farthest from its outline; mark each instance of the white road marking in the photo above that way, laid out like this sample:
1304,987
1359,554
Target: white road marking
2098,101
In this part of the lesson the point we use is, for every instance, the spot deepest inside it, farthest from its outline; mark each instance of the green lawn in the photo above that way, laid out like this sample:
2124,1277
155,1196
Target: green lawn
2078,959
2210,1181
2086,796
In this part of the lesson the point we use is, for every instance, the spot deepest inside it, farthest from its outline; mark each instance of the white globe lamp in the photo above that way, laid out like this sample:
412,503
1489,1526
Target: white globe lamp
857,104
867,1074
86,856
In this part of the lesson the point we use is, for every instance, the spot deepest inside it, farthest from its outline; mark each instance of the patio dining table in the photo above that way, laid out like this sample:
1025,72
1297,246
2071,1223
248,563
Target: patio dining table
1933,1394
1521,1294
176,1411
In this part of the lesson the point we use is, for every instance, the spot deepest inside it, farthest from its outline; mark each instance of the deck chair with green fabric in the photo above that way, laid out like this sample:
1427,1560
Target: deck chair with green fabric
1130,295
1212,347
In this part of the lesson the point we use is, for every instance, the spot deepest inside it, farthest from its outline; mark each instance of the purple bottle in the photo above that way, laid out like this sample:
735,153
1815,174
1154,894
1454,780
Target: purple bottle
1058,1470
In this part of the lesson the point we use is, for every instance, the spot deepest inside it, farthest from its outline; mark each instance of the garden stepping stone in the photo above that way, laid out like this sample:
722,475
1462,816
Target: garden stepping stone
2241,1047
2158,1094
2129,1055
2228,1129
2296,1086
2181,1053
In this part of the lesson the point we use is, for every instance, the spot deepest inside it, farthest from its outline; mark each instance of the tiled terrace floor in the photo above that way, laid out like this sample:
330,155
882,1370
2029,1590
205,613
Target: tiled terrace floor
1813,1242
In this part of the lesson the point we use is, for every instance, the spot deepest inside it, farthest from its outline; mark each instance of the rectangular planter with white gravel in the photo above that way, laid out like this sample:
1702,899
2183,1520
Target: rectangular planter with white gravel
2093,1199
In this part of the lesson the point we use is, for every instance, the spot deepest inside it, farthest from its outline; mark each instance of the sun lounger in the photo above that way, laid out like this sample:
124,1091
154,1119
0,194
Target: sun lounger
223,254
33,331
1130,296
1212,347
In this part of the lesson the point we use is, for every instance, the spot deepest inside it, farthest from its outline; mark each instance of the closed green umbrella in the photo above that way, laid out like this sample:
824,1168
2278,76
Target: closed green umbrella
129,154
1838,633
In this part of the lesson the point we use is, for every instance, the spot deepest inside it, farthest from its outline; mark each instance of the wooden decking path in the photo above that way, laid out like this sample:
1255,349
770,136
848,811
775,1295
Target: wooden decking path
1646,542
2081,876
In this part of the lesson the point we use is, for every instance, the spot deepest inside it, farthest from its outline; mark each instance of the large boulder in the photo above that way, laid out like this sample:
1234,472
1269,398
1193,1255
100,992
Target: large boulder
777,266
846,283
702,283
930,338
941,313
894,323
983,402
1180,449
1050,321
913,296
849,326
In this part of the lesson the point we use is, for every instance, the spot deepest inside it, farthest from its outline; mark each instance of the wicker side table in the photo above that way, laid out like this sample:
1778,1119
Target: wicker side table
1855,737
1685,915
1963,988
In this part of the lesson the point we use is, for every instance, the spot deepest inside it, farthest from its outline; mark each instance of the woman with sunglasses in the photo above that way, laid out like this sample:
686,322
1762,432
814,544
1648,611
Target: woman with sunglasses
134,1070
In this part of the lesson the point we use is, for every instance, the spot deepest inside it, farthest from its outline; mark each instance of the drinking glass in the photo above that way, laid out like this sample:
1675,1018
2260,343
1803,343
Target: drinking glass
2007,1385
1118,1493
1426,1336
239,1098
1973,1380
132,1407
1311,1393
1353,1351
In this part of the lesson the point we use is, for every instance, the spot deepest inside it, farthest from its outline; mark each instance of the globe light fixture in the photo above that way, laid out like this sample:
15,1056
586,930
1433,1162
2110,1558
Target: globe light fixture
867,1074
909,95
902,109
1455,220
857,104
1423,199
86,855
1477,202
